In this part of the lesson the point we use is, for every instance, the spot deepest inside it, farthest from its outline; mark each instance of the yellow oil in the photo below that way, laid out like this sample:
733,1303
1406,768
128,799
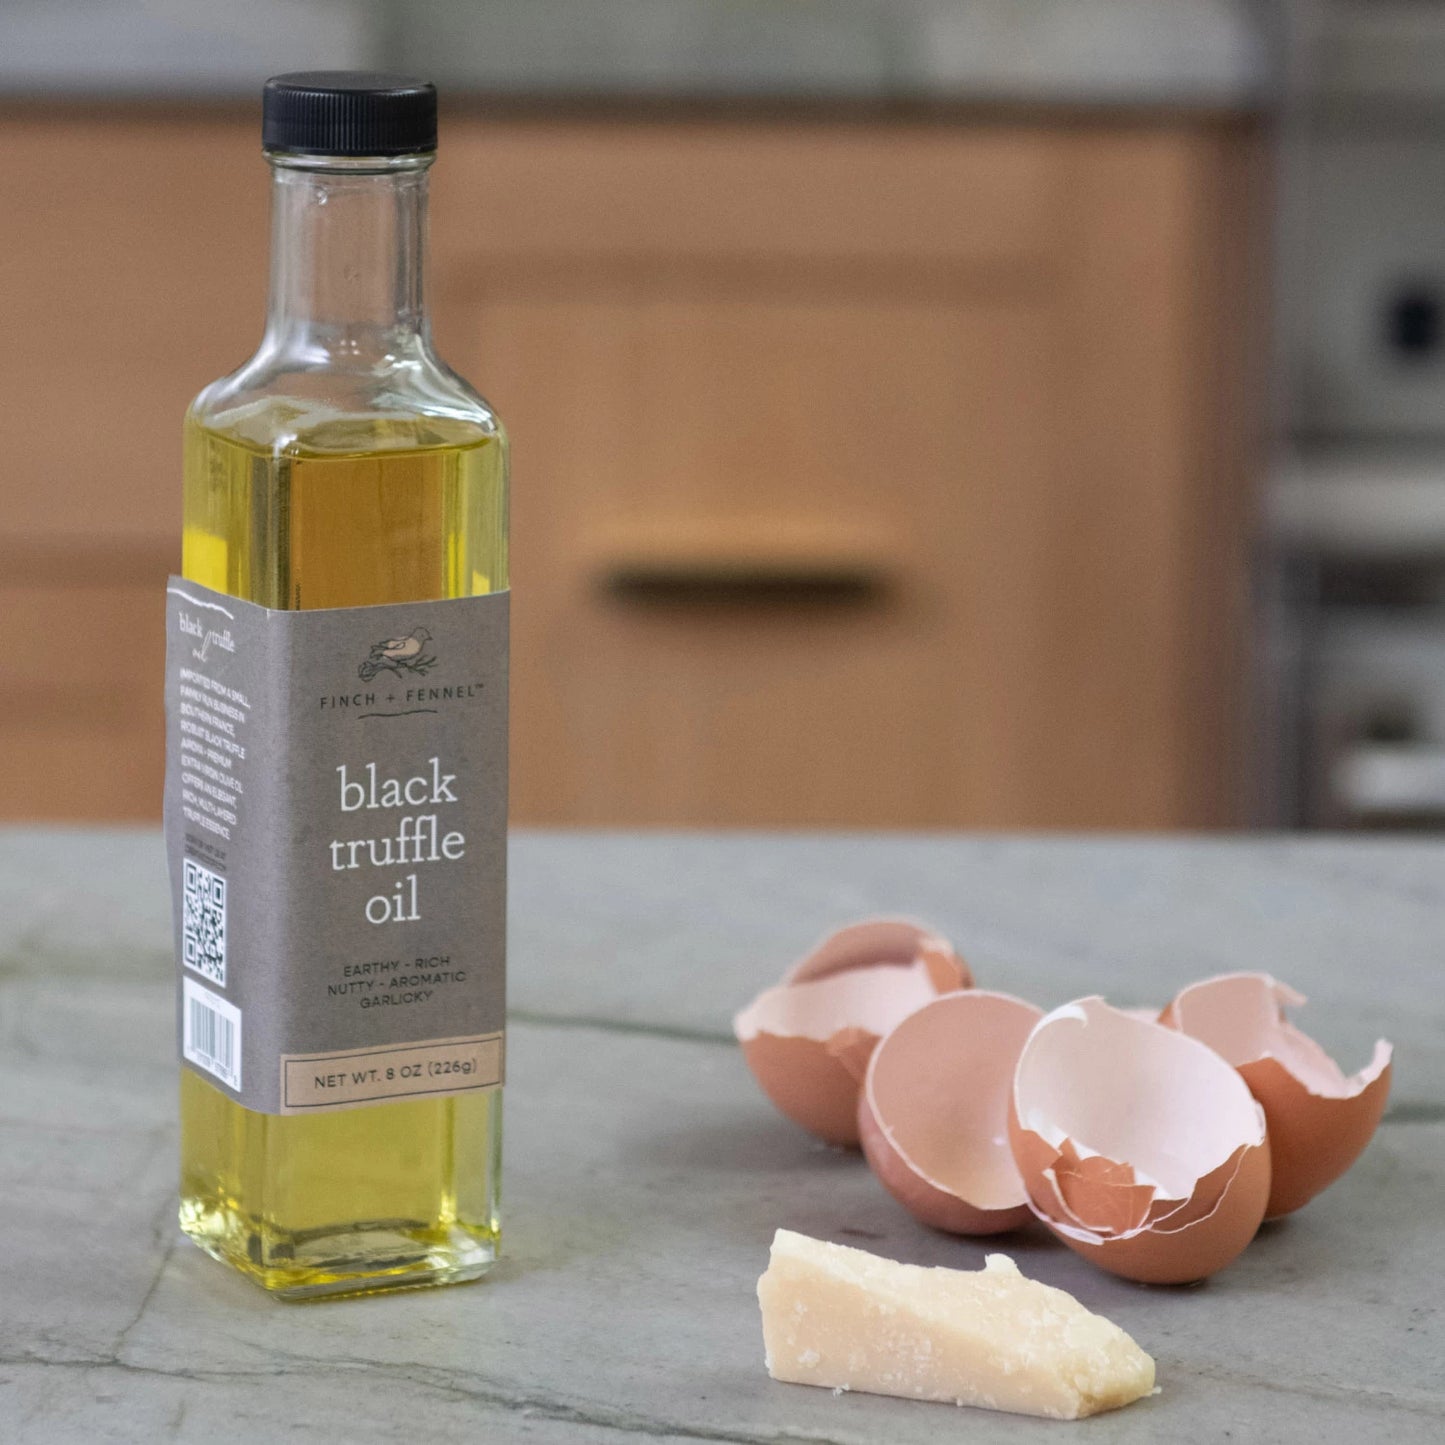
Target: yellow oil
291,506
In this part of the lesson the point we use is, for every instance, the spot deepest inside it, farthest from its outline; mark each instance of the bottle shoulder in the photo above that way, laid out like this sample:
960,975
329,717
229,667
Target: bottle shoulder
284,404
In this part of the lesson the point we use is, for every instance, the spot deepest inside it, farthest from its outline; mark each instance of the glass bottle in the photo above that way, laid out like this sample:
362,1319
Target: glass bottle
345,465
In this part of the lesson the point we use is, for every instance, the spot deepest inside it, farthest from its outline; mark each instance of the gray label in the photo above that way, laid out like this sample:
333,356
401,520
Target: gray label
336,820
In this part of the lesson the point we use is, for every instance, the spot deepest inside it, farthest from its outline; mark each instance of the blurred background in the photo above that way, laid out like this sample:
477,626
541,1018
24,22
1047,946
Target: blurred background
927,413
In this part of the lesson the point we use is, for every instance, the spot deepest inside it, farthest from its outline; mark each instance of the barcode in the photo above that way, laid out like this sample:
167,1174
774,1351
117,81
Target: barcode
211,1033
203,921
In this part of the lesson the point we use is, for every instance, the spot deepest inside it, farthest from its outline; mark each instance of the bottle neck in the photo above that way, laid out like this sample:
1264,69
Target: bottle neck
348,242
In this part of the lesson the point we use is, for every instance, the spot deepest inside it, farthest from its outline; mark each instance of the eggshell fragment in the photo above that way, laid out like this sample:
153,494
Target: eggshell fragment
883,940
1148,1158
933,1115
808,1041
1319,1119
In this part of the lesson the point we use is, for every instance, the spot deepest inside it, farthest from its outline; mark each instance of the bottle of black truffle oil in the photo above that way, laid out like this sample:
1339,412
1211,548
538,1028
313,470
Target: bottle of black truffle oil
336,787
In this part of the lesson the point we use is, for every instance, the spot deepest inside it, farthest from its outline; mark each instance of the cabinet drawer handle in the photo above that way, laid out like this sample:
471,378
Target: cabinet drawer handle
742,580
734,561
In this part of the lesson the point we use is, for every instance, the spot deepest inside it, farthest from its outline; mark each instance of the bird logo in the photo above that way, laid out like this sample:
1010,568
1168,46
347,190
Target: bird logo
400,654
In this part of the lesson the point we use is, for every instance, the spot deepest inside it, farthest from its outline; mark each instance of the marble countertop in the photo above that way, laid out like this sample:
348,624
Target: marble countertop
1215,53
645,1174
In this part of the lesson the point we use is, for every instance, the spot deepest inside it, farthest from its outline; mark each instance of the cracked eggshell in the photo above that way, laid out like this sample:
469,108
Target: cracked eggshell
883,940
1148,1158
808,1041
1319,1119
933,1114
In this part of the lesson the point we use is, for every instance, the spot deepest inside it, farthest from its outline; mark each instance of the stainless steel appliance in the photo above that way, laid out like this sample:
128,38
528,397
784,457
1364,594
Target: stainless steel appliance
1357,601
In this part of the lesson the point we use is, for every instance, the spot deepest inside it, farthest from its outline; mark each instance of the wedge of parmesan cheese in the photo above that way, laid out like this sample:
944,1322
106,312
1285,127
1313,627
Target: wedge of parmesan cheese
848,1320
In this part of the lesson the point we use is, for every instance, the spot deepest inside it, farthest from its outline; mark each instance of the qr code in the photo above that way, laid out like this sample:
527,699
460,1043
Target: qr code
203,927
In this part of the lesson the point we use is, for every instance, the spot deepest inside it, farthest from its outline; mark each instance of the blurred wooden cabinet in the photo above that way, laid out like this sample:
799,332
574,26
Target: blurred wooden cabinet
866,473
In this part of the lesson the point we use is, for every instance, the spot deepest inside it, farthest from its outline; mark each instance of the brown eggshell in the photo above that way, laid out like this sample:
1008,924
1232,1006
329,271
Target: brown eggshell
1319,1119
808,1041
924,1201
1172,1214
1149,1159
806,1083
1163,1256
1099,1194
933,1114
883,940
